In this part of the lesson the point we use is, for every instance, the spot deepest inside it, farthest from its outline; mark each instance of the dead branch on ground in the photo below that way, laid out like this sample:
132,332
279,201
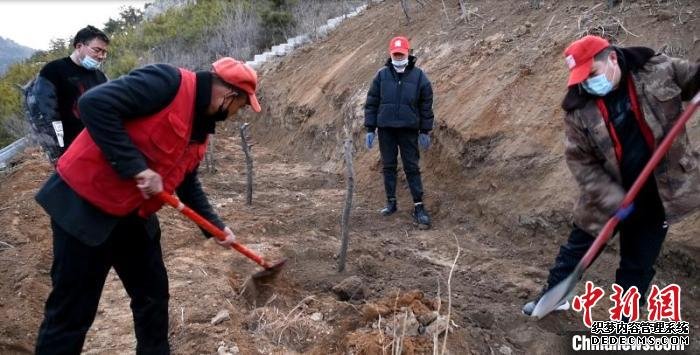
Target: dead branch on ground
5,245
449,295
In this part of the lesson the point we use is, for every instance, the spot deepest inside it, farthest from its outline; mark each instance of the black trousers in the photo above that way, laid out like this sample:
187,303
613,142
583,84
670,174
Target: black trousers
78,275
641,237
391,141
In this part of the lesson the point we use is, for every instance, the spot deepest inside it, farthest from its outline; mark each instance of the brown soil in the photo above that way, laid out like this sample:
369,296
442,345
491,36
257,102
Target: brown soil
496,185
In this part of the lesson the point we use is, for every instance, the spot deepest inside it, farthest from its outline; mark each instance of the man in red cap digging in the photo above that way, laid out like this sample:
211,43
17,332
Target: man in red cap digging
620,104
146,132
400,104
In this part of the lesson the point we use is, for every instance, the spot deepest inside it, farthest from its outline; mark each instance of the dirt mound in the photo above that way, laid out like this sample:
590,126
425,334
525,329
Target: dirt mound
377,342
406,321
497,186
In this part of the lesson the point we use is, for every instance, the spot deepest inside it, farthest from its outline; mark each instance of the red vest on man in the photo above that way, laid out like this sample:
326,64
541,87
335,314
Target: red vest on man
164,140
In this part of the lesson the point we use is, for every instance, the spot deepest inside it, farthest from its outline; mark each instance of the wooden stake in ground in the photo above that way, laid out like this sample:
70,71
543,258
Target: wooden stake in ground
209,161
248,162
345,221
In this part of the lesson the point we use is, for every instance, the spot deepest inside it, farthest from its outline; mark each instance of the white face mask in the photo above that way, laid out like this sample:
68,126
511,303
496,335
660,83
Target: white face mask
399,63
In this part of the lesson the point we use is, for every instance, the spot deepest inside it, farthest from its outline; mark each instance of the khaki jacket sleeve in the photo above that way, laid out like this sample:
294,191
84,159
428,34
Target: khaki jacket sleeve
687,75
598,188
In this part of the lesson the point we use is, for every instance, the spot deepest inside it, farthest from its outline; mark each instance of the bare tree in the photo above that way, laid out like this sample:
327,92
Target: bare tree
345,220
350,176
237,34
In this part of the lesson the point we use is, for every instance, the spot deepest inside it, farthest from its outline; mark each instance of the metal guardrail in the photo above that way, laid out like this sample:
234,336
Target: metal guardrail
11,150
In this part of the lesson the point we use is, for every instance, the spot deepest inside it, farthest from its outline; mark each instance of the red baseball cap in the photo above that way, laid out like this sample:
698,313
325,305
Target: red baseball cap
399,45
579,57
239,75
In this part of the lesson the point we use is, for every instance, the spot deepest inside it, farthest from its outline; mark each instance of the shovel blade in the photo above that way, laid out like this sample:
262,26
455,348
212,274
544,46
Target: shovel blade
554,297
259,287
269,273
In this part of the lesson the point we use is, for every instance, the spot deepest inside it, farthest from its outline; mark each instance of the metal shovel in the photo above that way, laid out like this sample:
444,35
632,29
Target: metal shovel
270,270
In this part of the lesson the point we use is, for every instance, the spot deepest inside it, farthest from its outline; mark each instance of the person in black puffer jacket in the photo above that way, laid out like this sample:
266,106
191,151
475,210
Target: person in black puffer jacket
400,104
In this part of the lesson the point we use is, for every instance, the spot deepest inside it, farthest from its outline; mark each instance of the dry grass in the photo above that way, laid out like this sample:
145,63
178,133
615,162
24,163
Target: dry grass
294,329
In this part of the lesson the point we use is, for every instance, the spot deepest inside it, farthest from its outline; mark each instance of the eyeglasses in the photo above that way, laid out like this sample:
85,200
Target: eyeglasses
98,51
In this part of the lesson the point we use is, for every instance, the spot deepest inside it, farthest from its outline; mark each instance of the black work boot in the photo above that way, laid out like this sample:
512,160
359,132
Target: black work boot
390,207
420,214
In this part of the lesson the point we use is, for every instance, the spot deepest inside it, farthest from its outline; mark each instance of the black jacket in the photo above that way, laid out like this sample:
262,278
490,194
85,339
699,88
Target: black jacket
141,93
54,97
400,100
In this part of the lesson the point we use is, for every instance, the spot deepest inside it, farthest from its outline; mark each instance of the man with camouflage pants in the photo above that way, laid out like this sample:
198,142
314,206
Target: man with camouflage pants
620,104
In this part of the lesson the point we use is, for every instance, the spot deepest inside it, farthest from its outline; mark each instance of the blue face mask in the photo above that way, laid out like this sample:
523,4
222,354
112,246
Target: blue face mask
599,85
89,63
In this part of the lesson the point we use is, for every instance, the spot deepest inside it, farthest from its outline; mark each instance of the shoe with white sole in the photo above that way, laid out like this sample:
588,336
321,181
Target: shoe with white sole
530,306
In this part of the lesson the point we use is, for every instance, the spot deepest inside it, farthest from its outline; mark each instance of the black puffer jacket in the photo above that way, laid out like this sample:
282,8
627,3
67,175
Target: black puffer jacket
400,100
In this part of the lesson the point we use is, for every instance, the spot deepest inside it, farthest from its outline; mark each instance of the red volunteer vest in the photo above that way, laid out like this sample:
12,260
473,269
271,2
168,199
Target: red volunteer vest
163,139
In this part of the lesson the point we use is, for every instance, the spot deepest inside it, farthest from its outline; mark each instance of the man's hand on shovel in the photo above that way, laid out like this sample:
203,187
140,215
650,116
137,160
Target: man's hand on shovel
230,238
270,269
149,183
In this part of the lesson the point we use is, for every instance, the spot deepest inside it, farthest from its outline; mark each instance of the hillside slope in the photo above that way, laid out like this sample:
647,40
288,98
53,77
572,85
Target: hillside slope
498,81
11,52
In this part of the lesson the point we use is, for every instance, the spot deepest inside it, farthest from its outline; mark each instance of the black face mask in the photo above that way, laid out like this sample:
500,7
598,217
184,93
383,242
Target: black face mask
221,113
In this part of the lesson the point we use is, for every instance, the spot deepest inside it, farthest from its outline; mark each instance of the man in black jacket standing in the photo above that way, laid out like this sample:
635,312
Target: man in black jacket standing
146,132
400,104
53,106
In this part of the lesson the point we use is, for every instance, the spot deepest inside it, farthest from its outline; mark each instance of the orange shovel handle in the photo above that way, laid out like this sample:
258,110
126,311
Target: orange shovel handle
209,227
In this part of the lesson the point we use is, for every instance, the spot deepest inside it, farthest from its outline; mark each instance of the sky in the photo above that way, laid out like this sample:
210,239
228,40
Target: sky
33,23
